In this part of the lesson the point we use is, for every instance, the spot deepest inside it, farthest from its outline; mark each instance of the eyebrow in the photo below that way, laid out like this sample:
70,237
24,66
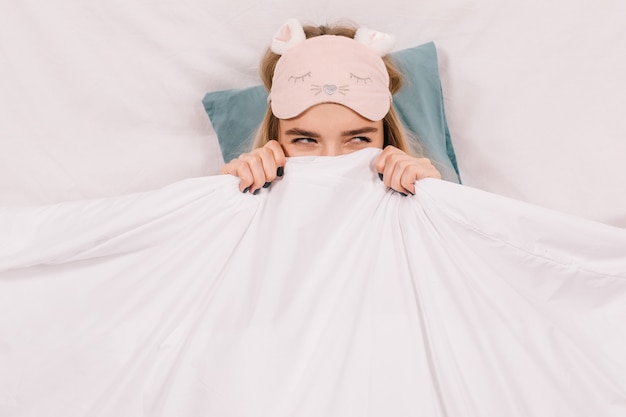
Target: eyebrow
356,132
301,132
307,133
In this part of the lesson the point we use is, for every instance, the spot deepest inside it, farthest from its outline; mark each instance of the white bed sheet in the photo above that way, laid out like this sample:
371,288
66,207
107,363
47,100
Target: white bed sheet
104,98
327,294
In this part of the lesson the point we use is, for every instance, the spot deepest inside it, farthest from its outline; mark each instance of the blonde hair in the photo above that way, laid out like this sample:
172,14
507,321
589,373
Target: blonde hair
394,132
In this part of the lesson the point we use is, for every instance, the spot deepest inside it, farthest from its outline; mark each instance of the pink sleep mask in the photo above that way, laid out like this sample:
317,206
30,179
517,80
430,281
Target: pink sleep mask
330,69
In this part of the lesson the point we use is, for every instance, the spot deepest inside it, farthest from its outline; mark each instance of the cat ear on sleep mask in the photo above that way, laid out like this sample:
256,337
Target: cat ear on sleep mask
291,33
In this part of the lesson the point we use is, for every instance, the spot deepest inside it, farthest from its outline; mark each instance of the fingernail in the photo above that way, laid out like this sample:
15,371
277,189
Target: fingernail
280,171
380,176
258,190
245,190
267,184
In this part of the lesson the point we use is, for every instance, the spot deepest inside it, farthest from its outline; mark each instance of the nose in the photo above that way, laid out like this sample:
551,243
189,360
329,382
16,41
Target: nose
332,149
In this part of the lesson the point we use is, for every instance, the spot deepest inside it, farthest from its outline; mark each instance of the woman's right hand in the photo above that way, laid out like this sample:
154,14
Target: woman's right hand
257,168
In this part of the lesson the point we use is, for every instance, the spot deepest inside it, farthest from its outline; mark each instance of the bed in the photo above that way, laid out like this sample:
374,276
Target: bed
116,116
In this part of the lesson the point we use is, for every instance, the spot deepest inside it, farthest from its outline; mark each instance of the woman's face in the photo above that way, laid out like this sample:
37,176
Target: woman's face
328,129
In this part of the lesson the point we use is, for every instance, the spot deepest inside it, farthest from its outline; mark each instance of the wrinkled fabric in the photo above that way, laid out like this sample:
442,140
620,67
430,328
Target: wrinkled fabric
325,295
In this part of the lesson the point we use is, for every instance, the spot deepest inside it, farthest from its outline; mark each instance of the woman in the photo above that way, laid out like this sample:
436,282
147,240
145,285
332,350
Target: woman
196,300
330,94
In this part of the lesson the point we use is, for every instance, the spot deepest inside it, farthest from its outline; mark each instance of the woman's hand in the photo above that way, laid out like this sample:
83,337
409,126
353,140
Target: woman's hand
258,168
400,171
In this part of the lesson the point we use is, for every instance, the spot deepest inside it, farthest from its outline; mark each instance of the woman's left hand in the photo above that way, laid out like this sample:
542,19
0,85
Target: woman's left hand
400,170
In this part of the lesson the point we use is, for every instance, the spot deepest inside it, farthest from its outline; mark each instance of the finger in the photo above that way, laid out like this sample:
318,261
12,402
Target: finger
381,161
268,162
390,174
387,164
408,178
229,168
425,169
246,178
238,168
278,153
274,160
254,163
400,175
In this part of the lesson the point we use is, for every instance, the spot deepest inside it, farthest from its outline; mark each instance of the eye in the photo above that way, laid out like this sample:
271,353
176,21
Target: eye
361,139
301,78
303,141
360,80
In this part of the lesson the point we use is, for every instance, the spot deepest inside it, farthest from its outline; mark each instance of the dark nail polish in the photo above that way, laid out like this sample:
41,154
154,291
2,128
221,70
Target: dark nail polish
245,190
280,171
267,184
380,176
258,190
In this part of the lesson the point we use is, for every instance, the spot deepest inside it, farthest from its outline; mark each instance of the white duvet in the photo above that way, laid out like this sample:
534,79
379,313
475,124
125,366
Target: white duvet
325,295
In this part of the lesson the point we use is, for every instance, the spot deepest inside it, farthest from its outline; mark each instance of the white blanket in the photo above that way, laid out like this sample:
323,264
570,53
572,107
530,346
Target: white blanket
325,295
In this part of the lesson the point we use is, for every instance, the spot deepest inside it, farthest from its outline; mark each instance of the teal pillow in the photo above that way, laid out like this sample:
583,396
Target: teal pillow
235,114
